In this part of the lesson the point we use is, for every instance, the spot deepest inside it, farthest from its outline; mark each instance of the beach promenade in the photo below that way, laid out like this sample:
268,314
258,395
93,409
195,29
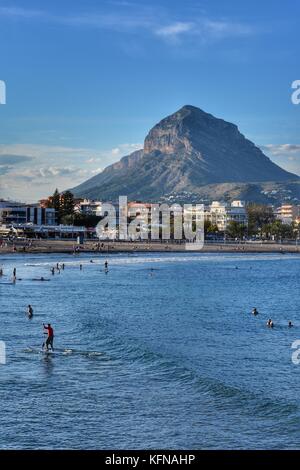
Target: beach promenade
69,246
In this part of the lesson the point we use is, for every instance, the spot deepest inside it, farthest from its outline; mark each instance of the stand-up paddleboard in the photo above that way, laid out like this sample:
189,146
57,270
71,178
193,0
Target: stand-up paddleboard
62,352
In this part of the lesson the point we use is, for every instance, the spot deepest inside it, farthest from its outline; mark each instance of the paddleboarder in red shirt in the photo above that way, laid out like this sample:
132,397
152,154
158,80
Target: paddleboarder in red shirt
49,340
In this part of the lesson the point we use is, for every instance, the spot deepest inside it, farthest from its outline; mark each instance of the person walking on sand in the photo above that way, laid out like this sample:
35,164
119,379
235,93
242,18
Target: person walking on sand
50,338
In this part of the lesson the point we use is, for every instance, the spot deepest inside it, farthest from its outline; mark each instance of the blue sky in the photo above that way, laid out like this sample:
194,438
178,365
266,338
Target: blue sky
86,80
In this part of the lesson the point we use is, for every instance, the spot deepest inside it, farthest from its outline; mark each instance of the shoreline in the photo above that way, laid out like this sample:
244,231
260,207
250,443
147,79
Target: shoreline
67,247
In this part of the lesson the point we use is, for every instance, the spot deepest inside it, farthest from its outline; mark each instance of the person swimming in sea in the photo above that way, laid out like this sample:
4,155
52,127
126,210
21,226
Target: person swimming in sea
270,323
29,312
254,311
290,324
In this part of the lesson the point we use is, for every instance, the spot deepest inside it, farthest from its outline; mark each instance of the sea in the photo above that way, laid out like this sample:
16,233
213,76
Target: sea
159,351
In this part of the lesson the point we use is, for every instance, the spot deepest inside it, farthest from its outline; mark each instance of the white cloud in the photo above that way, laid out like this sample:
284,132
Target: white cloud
282,149
174,29
96,171
46,167
115,151
124,149
159,22
285,155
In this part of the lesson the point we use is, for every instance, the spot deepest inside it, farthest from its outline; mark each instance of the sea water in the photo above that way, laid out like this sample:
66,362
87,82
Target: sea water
160,352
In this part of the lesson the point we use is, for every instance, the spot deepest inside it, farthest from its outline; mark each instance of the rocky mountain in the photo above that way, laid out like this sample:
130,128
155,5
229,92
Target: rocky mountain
189,151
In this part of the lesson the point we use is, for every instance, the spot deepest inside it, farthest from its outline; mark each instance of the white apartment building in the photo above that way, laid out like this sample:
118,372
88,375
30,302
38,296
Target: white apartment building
288,213
89,207
220,214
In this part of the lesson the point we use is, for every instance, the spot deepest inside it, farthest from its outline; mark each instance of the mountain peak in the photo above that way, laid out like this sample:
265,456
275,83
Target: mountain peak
184,152
181,130
189,108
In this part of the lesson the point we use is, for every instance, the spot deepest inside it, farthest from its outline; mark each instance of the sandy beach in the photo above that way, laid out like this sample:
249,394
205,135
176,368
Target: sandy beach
68,246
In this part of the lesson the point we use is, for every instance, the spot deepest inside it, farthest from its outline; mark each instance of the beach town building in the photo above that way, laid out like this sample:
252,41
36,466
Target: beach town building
222,213
17,213
88,207
217,213
17,219
288,213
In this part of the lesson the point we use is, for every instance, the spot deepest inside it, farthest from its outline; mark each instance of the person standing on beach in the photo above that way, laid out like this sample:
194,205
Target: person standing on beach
50,338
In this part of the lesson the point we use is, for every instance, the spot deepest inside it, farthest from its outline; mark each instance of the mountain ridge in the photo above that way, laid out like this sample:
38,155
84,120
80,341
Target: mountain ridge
186,151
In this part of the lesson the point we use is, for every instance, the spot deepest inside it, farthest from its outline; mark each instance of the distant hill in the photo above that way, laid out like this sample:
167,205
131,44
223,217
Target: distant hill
194,152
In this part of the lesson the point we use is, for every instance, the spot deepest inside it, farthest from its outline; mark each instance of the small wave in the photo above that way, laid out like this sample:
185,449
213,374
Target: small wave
225,397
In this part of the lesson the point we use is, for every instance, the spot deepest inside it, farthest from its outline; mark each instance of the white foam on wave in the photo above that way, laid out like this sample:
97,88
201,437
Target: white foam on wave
171,258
